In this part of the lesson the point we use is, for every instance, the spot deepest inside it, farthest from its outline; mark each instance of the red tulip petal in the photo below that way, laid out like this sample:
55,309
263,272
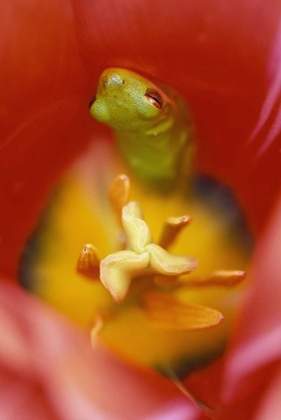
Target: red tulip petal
217,58
269,407
23,398
258,339
214,55
43,112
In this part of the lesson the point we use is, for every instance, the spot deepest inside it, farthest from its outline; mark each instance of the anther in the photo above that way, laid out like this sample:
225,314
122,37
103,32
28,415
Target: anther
119,194
88,262
171,230
219,278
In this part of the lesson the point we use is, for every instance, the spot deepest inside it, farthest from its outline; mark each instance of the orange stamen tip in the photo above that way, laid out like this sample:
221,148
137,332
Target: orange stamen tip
89,262
171,230
168,313
228,278
119,193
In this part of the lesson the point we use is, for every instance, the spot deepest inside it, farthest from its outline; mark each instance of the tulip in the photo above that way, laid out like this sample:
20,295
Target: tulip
219,60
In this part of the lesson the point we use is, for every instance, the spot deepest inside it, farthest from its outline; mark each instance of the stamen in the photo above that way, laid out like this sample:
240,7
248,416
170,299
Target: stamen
119,194
101,317
220,278
89,262
150,262
171,229
98,325
166,312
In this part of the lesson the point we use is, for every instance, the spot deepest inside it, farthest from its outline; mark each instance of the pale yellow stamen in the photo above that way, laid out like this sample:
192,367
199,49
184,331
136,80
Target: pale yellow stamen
102,316
96,328
166,312
88,262
171,230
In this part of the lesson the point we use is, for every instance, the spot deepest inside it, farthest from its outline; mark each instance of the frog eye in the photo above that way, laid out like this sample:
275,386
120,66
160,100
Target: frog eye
154,98
92,101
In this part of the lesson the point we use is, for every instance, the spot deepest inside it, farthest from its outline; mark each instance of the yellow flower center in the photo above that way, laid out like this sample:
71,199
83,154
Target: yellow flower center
155,272
167,303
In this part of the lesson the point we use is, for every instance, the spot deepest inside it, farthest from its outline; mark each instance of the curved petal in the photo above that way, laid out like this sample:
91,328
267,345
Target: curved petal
270,405
43,112
50,364
213,55
257,343
166,312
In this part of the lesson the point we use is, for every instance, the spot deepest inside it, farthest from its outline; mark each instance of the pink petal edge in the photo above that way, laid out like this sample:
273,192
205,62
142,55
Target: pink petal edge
257,341
42,350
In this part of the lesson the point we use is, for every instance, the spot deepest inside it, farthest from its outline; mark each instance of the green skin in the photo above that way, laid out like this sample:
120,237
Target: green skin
151,125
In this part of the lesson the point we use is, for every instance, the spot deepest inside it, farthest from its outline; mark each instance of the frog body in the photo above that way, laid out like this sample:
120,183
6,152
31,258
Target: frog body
151,124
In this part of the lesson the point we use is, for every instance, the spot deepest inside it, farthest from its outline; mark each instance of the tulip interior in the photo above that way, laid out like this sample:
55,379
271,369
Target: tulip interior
156,273
80,212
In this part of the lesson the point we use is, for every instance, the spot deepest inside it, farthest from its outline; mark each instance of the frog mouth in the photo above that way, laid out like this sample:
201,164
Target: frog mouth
92,101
